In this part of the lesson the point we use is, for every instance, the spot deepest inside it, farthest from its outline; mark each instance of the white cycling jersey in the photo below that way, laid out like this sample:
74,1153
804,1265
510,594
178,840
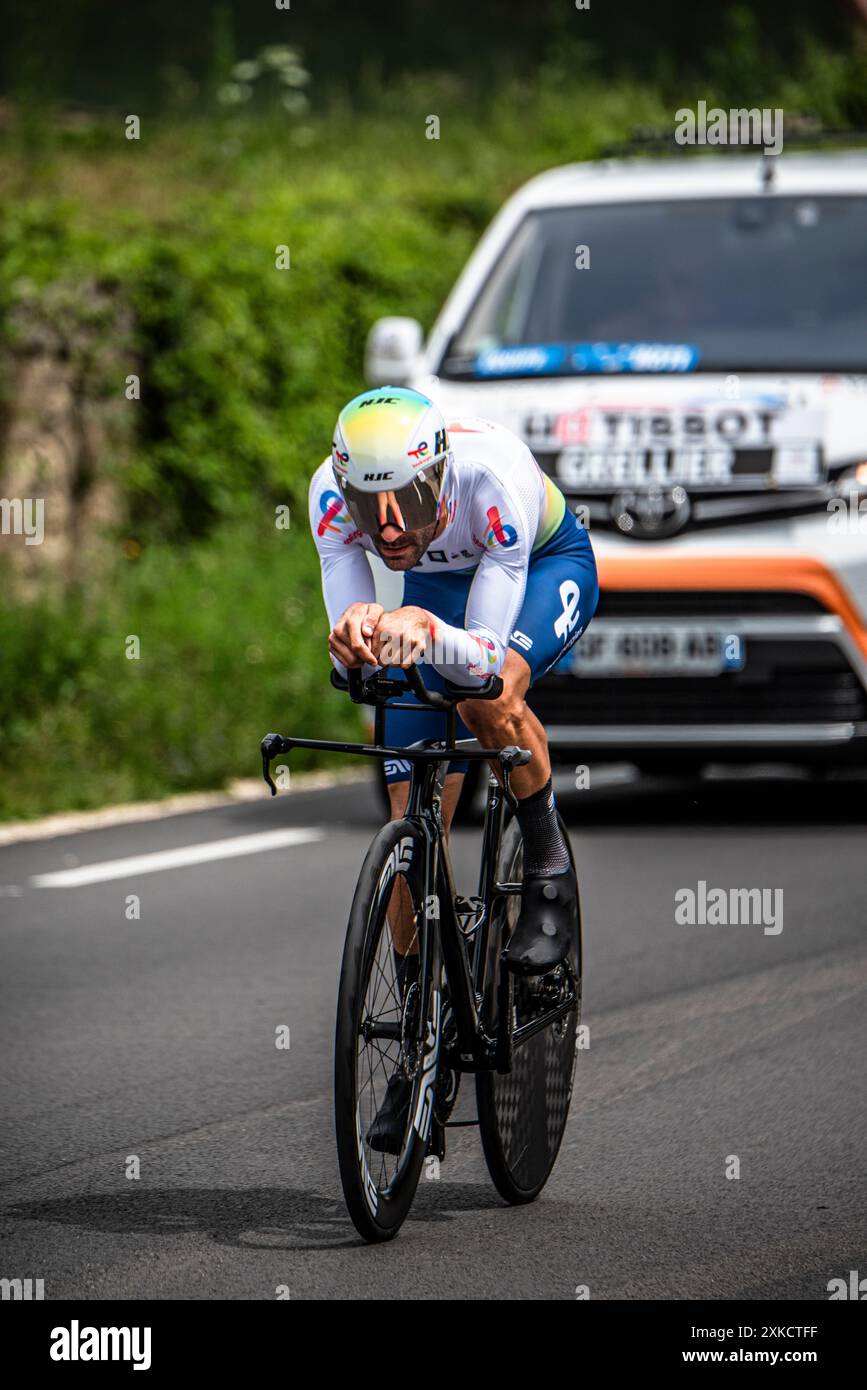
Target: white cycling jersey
501,507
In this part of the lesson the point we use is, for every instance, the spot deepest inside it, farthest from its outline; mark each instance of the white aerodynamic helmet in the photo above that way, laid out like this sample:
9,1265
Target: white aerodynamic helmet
390,457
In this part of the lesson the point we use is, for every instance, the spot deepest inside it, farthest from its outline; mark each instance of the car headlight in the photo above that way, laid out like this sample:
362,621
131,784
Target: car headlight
853,480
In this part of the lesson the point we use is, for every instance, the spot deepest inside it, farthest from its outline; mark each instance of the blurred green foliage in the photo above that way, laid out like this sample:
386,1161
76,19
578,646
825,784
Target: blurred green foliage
231,644
160,54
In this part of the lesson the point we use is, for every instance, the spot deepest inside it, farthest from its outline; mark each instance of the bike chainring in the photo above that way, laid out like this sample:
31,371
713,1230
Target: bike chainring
538,994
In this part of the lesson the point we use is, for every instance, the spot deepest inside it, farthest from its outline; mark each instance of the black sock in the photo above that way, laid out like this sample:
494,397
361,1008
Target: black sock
545,850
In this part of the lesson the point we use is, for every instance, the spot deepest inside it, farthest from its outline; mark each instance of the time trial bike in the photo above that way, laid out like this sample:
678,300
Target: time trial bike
464,1011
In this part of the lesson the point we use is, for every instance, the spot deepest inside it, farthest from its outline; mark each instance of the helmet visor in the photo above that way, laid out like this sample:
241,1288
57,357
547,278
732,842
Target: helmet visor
412,507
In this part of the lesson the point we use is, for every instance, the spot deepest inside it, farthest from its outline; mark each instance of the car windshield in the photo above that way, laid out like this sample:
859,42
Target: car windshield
744,284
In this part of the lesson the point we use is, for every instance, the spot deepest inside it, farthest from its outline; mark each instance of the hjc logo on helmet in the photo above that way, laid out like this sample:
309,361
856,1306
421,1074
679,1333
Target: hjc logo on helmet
389,448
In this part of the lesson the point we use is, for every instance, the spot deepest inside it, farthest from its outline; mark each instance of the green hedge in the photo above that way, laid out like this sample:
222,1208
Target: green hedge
231,643
242,367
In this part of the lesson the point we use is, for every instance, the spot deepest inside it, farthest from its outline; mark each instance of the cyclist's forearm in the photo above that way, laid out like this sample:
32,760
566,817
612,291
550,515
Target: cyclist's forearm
464,655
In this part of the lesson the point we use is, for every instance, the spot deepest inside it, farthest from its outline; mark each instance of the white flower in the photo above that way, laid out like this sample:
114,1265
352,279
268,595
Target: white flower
246,72
295,103
294,77
278,56
233,94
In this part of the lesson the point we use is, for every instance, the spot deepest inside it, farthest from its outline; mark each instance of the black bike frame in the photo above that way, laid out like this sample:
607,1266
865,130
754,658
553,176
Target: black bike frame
429,760
476,1050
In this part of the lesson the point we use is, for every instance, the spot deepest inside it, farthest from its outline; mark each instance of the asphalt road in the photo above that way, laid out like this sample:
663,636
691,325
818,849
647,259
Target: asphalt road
154,1039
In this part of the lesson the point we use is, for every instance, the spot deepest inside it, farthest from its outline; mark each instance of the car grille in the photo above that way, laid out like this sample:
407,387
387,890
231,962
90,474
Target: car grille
718,508
687,603
782,682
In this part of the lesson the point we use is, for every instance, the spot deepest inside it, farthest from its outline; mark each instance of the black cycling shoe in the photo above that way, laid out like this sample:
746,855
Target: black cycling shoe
547,926
387,1131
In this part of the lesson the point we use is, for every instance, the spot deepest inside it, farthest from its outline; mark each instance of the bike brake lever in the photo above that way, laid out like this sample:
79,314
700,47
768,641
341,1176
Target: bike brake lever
427,697
510,758
270,747
513,756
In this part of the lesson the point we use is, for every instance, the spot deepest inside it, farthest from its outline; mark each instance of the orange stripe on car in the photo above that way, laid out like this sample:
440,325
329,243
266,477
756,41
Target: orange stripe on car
795,574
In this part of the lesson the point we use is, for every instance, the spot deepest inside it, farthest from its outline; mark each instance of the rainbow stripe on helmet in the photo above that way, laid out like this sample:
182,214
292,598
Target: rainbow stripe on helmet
380,421
384,425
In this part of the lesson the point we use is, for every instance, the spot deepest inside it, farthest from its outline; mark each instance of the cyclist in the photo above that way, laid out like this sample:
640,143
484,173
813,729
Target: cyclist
500,579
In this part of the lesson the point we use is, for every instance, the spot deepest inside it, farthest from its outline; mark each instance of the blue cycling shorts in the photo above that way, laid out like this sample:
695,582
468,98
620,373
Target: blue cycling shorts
559,600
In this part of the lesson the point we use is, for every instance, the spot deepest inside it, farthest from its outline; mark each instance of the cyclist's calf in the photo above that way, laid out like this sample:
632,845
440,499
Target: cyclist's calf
508,720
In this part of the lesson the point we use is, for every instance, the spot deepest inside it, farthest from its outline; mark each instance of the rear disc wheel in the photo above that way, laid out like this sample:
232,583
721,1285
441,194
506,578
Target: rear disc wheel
523,1114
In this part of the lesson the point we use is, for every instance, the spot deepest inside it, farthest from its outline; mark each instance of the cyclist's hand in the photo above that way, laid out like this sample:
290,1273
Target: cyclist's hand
401,637
348,639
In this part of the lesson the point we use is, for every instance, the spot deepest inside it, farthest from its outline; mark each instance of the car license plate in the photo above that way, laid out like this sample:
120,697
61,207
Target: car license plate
645,649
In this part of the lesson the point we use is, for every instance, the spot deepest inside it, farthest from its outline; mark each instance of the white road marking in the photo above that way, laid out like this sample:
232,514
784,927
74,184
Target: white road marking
176,858
240,789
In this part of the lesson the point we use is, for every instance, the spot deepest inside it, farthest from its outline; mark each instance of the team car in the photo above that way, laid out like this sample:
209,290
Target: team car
682,342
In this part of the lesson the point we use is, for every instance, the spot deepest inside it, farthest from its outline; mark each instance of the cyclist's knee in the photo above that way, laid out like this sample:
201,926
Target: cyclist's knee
505,715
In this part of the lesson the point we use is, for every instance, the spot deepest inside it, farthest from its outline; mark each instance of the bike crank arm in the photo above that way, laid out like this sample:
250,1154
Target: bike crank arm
528,1030
508,1038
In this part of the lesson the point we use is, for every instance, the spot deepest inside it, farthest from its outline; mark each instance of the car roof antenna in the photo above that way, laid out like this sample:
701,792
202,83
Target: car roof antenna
768,170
